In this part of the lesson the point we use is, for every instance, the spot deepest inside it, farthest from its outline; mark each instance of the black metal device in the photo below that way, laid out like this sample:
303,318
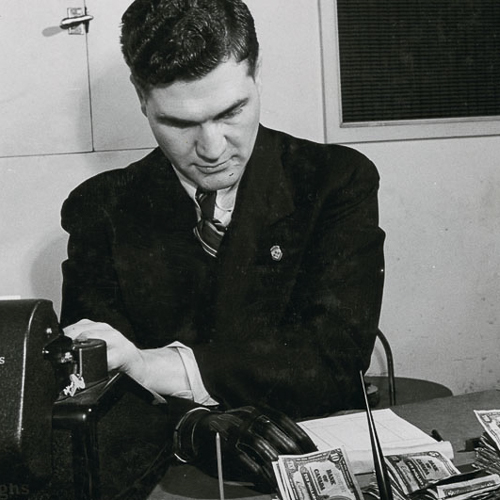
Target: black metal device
67,428
28,389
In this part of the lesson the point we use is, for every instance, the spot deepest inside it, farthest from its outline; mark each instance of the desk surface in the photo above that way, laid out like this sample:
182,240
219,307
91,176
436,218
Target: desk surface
452,416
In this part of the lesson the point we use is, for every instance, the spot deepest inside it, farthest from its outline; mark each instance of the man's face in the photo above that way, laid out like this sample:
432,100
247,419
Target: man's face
207,127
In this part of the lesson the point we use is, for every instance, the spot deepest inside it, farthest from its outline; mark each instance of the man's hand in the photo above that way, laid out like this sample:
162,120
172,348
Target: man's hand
160,370
251,439
123,355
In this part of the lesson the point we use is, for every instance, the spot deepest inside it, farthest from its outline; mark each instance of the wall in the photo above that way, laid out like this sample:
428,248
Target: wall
438,199
440,207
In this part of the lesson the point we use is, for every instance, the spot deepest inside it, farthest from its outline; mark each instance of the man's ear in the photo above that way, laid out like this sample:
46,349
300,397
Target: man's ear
141,94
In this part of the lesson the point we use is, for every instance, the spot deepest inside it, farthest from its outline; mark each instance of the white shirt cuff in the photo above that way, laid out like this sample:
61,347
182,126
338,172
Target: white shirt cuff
198,392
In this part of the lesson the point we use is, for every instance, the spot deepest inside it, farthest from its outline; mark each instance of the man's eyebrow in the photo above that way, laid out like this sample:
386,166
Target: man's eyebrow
177,122
238,104
181,122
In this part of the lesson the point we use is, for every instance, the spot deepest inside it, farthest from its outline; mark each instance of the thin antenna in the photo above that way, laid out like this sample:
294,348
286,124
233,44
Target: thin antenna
219,466
383,481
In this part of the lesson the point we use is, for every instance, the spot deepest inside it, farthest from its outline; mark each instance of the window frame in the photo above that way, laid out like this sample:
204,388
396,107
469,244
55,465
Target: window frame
355,132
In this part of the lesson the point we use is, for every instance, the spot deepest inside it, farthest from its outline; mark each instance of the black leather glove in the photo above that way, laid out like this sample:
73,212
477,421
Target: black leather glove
250,440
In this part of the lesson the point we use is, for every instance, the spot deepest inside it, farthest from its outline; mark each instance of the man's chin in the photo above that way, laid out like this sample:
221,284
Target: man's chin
218,181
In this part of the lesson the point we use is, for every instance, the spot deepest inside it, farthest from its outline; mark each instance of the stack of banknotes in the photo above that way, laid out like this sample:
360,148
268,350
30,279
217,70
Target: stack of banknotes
319,475
488,451
328,475
433,476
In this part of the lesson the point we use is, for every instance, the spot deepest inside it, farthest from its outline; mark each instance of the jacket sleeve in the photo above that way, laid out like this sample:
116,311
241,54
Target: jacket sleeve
90,285
308,364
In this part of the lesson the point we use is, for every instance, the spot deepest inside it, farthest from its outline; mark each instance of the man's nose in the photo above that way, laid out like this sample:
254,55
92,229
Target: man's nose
211,142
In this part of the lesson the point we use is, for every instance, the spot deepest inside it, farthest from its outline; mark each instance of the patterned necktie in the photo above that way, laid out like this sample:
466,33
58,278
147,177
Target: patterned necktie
209,230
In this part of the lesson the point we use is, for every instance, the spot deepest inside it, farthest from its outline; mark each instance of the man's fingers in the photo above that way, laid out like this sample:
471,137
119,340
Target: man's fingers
81,326
76,334
273,434
260,454
258,474
85,328
294,431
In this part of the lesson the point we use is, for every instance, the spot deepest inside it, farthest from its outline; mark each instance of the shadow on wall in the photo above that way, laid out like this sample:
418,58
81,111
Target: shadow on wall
46,276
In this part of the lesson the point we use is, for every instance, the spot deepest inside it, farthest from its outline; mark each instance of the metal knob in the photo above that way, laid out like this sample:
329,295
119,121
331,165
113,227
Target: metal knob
77,21
71,22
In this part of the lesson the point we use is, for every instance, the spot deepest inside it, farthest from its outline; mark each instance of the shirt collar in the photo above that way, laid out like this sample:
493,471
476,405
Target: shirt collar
226,198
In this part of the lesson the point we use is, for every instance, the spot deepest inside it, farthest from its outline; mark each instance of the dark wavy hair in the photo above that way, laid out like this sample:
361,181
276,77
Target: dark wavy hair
167,40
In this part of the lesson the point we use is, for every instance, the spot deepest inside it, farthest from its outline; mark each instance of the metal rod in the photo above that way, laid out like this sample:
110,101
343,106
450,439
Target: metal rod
219,466
383,481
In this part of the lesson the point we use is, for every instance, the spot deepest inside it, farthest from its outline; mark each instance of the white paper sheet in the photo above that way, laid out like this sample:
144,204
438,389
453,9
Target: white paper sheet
396,436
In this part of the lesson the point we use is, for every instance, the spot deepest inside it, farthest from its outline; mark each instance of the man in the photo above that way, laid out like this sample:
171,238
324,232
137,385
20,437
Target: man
233,265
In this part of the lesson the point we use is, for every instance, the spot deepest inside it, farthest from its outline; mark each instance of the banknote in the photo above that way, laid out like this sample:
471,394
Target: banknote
466,489
415,471
321,475
487,457
282,488
490,420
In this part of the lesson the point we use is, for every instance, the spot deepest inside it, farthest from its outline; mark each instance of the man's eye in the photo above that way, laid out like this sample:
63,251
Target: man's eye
180,125
172,123
183,126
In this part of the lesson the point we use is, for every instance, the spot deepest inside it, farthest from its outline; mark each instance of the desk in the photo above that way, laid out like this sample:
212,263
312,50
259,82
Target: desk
452,416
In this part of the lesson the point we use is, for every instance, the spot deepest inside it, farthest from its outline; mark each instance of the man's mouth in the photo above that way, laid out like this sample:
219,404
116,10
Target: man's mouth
212,169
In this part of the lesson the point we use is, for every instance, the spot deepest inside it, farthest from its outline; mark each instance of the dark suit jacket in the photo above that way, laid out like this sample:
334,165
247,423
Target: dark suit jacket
292,333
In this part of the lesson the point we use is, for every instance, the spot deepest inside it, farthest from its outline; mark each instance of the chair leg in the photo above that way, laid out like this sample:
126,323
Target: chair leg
390,367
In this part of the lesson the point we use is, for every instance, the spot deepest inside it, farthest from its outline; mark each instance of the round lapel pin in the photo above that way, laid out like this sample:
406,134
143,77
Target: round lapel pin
276,253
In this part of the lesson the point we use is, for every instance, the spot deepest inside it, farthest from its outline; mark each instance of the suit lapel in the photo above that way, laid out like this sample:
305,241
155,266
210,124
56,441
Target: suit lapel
264,195
265,191
264,198
164,198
